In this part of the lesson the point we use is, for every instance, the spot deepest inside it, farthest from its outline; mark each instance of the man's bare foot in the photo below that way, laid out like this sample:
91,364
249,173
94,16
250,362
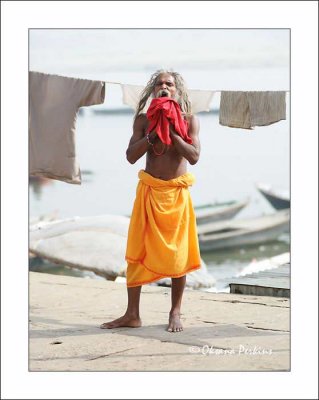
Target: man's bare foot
174,322
126,320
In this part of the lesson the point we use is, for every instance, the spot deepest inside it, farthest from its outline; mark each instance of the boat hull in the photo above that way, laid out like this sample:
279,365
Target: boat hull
210,214
237,234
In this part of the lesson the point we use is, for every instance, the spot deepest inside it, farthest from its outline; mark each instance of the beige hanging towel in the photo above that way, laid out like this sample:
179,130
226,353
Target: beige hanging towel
54,102
200,99
131,94
249,109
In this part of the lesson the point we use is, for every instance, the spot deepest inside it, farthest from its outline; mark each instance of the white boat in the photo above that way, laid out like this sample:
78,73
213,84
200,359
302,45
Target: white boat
94,243
233,233
218,211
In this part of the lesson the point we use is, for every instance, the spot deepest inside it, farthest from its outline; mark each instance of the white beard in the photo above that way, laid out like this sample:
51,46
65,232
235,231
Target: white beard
163,93
167,94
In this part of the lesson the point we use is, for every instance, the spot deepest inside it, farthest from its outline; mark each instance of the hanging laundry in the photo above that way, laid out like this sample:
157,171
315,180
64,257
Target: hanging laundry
200,99
132,94
53,105
249,109
161,113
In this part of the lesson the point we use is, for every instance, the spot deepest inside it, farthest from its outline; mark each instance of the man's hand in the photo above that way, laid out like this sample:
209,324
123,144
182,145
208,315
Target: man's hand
153,135
190,151
172,132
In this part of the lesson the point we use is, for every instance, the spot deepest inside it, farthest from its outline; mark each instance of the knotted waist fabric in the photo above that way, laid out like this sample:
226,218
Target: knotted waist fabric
163,111
162,238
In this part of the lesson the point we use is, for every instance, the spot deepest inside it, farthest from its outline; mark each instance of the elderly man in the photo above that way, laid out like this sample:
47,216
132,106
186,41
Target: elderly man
162,238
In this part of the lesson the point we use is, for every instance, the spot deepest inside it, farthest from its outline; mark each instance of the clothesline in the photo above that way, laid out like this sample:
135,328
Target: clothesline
200,99
204,90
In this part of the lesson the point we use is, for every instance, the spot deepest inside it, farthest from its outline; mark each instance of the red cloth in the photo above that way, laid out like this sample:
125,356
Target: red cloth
163,111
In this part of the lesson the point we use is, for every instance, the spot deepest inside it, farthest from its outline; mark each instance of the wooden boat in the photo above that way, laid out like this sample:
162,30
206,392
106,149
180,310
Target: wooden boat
233,233
279,201
218,211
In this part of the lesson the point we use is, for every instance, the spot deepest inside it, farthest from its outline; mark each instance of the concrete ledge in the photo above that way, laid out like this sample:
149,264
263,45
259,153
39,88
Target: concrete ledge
241,288
275,282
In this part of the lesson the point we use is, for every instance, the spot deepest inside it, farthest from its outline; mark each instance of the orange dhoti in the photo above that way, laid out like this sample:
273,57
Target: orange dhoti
162,237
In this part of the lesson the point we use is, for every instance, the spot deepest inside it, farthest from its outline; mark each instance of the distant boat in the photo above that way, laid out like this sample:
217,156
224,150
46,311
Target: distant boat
279,200
233,233
207,213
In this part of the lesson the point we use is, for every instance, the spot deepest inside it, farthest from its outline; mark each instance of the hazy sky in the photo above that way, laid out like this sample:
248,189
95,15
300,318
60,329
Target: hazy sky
96,50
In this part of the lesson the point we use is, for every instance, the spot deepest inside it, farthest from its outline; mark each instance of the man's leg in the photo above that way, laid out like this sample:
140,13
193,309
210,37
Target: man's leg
131,318
178,285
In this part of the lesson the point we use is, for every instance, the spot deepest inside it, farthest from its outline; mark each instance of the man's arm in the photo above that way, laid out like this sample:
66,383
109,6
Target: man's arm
190,151
138,144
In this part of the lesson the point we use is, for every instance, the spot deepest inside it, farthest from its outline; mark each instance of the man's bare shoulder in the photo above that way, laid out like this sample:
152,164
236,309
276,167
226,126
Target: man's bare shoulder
190,117
141,120
141,115
193,126
192,120
193,117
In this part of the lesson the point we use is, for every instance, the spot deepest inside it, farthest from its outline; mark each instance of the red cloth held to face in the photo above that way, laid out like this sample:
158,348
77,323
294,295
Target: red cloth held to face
163,111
